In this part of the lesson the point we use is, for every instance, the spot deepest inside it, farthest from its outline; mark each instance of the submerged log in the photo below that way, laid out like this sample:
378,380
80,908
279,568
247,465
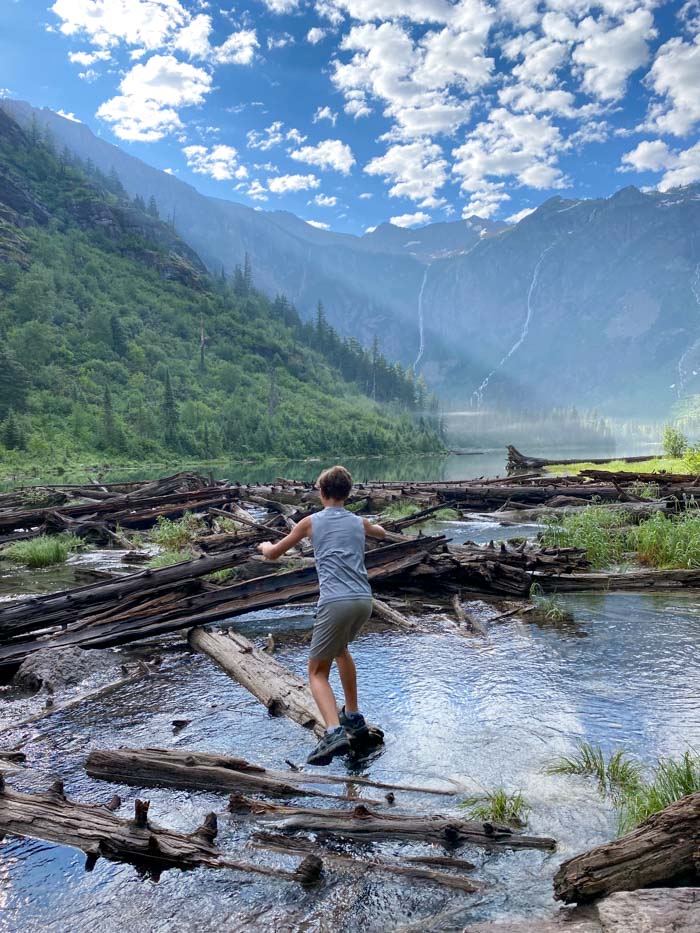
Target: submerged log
365,824
301,846
632,580
98,832
278,689
162,767
663,849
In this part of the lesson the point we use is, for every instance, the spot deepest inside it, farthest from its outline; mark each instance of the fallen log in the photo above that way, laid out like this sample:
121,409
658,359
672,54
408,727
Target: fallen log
301,846
663,849
365,824
517,461
98,832
393,617
632,580
182,768
278,689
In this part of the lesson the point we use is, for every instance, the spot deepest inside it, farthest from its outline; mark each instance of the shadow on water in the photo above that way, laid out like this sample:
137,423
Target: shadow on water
483,712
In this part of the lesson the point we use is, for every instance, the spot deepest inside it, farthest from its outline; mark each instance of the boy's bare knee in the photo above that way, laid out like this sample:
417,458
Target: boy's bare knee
319,667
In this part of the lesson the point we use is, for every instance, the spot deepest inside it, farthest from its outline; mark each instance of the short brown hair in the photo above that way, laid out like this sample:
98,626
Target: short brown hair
335,483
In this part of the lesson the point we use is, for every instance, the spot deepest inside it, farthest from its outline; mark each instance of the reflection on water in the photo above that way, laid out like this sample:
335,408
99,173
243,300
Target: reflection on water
483,712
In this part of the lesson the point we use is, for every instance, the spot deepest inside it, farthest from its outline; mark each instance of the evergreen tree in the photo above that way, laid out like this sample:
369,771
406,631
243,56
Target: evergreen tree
12,436
14,384
170,413
109,427
115,184
238,282
153,208
247,276
118,336
140,203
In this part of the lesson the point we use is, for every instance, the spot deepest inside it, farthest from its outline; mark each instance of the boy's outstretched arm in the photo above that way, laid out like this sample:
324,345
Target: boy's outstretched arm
373,531
272,551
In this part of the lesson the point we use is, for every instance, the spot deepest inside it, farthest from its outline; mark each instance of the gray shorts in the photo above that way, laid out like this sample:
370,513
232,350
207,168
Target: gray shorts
337,624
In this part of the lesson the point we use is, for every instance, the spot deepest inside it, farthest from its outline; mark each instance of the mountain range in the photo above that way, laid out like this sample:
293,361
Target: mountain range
593,302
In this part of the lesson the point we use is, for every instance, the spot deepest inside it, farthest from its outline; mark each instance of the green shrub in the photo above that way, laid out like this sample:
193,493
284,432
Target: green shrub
42,551
674,442
691,459
176,535
401,508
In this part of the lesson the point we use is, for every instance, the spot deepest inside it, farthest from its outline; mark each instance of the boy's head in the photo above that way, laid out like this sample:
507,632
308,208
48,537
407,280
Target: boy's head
335,484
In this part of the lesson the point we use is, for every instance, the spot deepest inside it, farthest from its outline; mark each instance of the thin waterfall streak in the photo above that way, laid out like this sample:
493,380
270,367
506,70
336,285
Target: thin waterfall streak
478,393
421,332
682,374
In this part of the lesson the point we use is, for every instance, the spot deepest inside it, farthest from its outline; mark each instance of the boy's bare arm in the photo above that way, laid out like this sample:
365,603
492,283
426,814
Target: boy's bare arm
373,531
272,551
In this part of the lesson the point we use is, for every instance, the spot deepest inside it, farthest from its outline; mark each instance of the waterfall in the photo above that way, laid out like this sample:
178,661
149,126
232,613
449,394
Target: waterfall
682,373
421,334
478,393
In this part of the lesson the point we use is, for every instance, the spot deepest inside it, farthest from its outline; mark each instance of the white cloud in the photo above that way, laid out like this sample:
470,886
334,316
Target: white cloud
410,220
68,116
273,135
416,169
220,162
106,23
319,224
370,229
675,78
257,191
680,167
194,38
609,54
284,183
366,195
520,215
325,113
315,35
281,6
89,76
324,200
151,93
170,171
88,58
279,42
238,49
328,154
523,147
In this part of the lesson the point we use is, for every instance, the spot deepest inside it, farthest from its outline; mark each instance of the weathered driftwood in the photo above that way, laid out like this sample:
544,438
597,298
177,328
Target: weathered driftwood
98,832
363,823
278,689
663,849
632,580
517,461
387,614
185,769
179,608
301,846
660,477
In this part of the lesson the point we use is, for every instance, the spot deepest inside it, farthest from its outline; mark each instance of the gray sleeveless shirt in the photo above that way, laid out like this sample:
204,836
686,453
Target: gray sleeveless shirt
338,538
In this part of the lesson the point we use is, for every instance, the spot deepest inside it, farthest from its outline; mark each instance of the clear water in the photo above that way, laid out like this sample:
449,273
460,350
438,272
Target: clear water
485,713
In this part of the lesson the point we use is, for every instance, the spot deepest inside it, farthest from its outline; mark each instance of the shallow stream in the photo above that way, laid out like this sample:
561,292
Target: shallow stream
482,712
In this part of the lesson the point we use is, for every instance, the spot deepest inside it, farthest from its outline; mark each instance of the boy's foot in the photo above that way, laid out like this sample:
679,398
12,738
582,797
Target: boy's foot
331,744
354,724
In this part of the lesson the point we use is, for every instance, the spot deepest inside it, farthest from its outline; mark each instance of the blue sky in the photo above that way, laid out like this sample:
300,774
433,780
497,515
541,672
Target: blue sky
353,112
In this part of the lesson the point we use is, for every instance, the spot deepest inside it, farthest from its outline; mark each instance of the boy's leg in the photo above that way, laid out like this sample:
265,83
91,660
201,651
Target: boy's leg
319,669
348,678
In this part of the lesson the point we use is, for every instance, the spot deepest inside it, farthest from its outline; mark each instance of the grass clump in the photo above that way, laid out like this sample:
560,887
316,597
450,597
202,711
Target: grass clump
691,459
621,780
445,515
168,558
652,465
594,528
498,806
547,607
642,490
43,551
668,543
176,535
401,508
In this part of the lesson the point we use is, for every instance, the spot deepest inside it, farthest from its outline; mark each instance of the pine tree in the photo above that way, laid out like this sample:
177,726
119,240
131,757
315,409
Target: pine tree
247,275
170,414
109,427
14,384
12,436
118,336
238,282
115,183
153,208
140,203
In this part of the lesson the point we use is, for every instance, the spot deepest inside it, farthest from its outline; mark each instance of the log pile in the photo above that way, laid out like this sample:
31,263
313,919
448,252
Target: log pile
518,463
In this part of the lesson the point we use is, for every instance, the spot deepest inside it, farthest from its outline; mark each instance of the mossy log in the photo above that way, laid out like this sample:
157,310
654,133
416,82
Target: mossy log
665,848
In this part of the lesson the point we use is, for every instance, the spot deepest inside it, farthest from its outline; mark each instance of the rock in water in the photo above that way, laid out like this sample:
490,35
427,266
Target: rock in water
57,668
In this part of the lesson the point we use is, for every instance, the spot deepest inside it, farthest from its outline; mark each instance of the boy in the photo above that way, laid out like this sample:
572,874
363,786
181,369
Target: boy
344,605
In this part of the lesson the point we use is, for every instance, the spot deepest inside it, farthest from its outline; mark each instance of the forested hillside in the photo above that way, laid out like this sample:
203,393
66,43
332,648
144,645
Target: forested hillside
115,341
